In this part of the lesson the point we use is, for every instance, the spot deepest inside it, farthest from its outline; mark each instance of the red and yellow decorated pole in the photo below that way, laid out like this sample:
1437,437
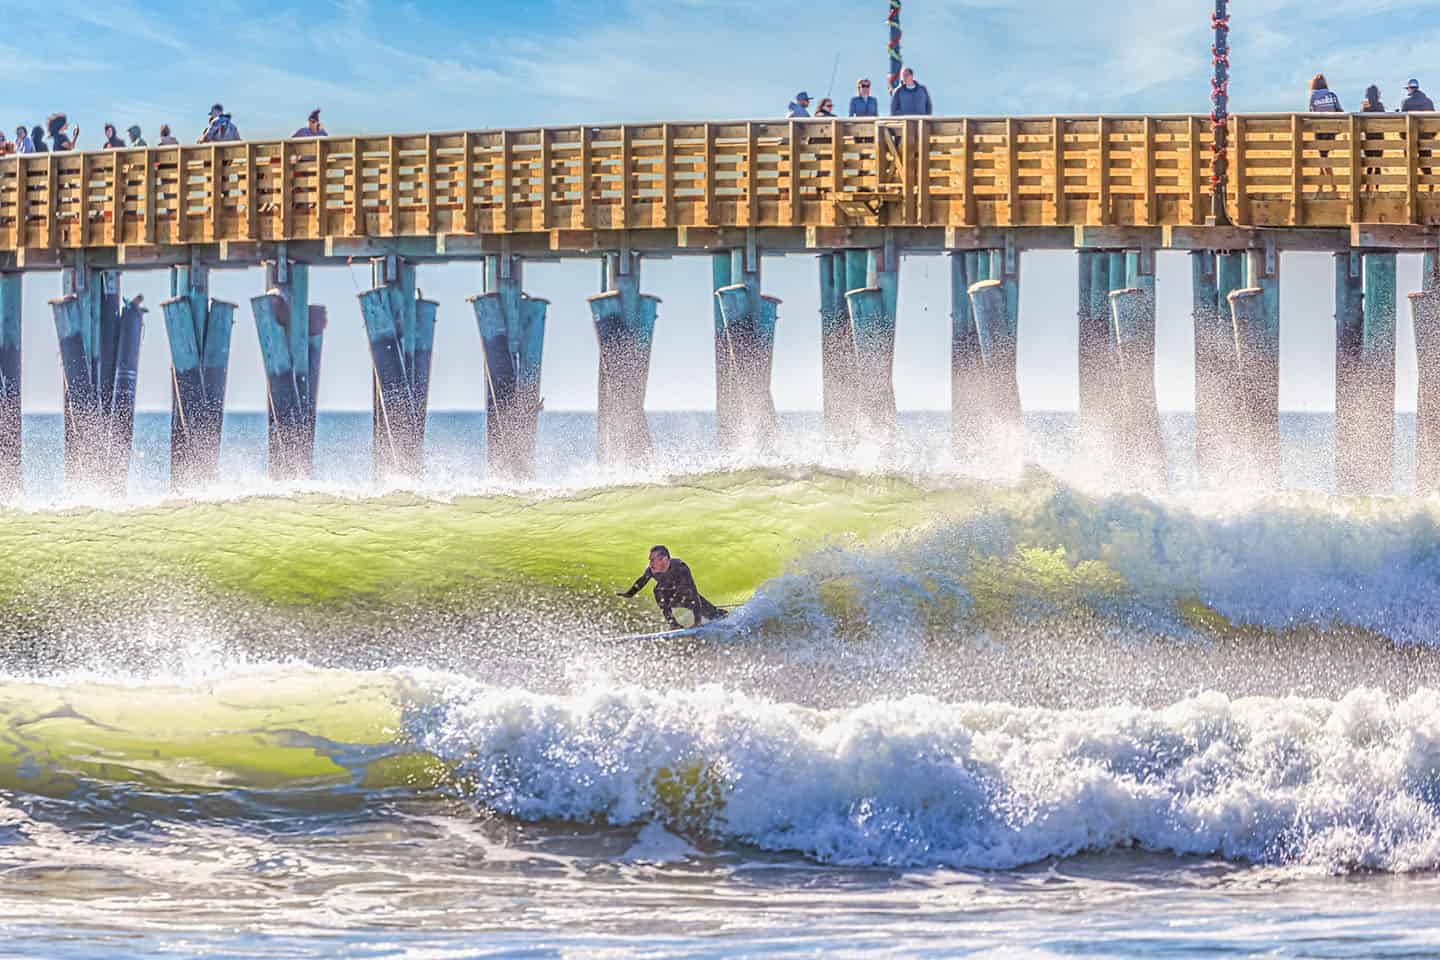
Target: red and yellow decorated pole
897,60
1220,112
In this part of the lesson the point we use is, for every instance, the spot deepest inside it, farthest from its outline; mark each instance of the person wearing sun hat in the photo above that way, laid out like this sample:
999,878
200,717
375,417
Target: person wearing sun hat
800,106
1415,99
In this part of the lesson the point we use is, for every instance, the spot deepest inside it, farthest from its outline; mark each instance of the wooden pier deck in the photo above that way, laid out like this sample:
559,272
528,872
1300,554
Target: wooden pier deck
933,183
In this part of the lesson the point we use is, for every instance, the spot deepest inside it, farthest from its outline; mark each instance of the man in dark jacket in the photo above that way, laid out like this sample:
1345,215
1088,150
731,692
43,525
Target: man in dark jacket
910,99
674,587
1415,99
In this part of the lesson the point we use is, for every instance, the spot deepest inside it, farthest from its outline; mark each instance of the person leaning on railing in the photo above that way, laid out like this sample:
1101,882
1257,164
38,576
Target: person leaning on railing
220,129
1324,100
862,104
1417,102
910,99
1373,104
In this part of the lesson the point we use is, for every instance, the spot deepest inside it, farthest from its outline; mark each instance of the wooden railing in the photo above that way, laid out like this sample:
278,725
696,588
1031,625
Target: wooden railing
1287,170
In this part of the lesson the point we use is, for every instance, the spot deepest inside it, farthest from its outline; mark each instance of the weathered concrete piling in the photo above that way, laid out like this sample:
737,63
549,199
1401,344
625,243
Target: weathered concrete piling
969,402
625,327
199,331
1425,307
512,332
1138,417
1214,276
745,322
998,351
10,421
1257,429
400,328
1365,311
291,338
840,272
1097,358
872,310
99,336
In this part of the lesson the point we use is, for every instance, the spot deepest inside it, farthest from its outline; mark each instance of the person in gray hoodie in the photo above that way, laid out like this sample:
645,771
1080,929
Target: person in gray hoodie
910,99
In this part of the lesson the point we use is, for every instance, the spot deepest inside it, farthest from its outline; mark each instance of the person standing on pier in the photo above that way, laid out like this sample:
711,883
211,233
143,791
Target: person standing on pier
58,124
1324,100
37,141
22,140
674,587
112,139
167,139
1415,99
800,106
911,99
134,134
826,108
312,127
220,129
1373,104
862,104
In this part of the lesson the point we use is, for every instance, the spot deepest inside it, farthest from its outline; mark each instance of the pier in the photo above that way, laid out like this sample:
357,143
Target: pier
858,195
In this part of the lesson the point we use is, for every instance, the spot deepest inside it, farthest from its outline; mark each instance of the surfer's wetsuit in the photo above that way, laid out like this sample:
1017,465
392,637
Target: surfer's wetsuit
676,588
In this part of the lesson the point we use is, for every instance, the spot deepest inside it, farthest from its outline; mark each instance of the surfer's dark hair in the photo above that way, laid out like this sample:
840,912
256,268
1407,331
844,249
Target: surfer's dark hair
661,549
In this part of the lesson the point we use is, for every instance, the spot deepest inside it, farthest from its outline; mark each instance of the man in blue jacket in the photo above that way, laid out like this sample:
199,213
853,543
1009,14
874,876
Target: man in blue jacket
910,99
862,104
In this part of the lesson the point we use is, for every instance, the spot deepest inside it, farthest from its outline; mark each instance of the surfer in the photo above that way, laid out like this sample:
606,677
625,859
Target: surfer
674,587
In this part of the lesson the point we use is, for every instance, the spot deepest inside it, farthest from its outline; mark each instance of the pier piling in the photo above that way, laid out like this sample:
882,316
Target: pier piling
1133,326
969,403
10,419
1375,378
199,330
512,332
1349,351
625,328
872,311
283,322
99,338
1099,374
400,328
745,322
1256,354
1425,309
998,354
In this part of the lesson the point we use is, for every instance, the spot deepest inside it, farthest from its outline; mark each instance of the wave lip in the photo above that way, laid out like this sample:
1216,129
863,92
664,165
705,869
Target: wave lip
1337,785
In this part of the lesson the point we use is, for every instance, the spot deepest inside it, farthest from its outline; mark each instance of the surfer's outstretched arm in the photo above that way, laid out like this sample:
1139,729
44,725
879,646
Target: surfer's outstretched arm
638,585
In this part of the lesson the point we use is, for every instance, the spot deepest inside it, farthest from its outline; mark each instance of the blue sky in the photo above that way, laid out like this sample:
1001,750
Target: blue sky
380,66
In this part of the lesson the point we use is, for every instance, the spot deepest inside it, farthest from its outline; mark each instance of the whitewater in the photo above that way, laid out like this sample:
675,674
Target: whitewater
1019,710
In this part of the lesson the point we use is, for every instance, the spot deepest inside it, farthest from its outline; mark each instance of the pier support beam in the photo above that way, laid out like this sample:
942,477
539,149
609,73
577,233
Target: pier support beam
744,352
1425,306
99,338
1257,346
11,480
969,402
400,328
1137,420
995,303
1349,367
199,330
625,327
512,331
1098,367
872,311
1371,464
840,273
291,338
1214,276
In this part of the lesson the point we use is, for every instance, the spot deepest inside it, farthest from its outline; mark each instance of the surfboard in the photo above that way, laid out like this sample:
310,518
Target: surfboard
685,633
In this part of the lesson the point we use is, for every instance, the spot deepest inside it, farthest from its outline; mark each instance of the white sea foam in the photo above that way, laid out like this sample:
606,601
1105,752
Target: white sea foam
1337,785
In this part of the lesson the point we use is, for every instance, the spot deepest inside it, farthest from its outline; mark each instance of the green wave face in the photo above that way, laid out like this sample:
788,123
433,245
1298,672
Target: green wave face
271,730
841,545
736,530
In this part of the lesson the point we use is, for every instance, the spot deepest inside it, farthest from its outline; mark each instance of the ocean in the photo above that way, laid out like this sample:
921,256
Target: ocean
1019,708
